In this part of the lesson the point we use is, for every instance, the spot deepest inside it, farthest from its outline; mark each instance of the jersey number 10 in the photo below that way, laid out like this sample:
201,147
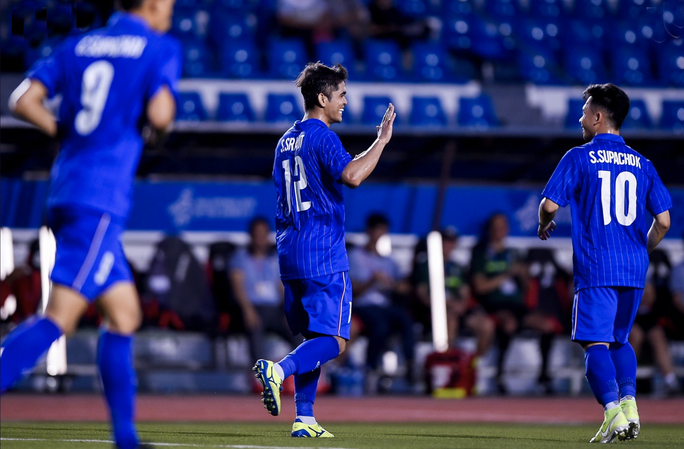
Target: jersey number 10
97,79
625,181
298,185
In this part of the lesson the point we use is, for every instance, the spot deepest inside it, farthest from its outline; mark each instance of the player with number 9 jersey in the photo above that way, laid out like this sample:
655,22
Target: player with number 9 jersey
620,213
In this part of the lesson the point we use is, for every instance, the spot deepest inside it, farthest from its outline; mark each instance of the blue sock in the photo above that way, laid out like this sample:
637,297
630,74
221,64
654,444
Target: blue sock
306,385
310,355
115,360
23,347
600,373
625,363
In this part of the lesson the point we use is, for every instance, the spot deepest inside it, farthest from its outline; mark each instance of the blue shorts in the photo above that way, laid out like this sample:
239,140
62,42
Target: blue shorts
319,305
604,314
90,258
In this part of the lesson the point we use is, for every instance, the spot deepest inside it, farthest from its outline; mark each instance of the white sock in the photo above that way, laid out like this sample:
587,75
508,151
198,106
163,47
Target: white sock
627,398
279,370
612,405
671,379
308,420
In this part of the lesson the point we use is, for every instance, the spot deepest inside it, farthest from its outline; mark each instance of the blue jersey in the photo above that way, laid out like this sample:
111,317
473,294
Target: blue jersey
614,193
105,78
309,161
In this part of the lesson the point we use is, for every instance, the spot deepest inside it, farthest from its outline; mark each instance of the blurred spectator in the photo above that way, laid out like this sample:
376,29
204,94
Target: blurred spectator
255,277
376,281
350,17
388,22
676,315
648,324
24,284
309,20
460,311
500,280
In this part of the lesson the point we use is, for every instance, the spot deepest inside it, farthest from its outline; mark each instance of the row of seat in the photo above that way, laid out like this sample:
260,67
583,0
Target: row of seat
286,108
672,117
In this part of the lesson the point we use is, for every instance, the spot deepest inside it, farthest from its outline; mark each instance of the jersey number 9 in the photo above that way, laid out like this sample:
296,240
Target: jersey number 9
298,185
97,78
625,182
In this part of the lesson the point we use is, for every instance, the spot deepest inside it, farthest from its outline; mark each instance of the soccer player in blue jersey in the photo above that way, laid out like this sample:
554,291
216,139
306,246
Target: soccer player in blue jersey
620,212
310,169
108,79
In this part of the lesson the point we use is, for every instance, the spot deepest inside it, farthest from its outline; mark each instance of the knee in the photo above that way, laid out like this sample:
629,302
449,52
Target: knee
125,321
342,344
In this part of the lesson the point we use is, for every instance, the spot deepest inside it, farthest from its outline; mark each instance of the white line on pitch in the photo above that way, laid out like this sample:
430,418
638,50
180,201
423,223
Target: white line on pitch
227,446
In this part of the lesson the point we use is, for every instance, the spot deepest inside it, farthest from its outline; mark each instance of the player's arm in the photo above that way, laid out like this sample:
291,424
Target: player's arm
251,317
161,109
547,212
483,285
660,226
363,164
27,102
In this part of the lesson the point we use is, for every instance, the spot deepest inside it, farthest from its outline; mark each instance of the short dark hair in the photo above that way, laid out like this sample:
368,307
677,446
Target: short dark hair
129,5
612,99
376,219
318,78
256,221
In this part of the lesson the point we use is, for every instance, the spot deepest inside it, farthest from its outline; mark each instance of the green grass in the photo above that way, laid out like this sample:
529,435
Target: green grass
359,436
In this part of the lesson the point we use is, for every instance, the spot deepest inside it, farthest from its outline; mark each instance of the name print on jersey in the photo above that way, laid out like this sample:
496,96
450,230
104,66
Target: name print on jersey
614,157
292,144
126,46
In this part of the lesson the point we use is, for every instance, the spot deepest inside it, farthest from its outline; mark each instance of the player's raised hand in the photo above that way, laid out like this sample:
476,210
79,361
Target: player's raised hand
545,232
387,125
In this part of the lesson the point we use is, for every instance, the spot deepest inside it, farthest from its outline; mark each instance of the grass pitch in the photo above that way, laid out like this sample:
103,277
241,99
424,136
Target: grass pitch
347,436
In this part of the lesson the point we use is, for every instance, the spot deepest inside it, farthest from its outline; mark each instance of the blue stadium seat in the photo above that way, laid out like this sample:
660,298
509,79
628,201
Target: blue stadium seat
544,32
538,66
632,67
671,64
574,113
240,6
451,8
477,112
374,109
585,65
227,27
339,51
281,108
190,23
584,32
458,32
547,8
489,41
415,8
632,9
383,60
427,111
234,108
673,116
502,8
638,117
191,107
240,59
430,63
287,58
591,9
630,33
197,60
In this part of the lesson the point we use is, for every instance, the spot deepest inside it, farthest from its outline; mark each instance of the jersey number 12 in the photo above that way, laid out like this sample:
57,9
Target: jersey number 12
625,183
298,185
97,79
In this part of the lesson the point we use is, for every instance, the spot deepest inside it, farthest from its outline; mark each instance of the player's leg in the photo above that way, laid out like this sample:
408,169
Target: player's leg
663,358
623,356
120,307
508,326
484,329
24,345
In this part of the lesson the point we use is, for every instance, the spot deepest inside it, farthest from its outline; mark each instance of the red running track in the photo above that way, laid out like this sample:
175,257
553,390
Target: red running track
20,407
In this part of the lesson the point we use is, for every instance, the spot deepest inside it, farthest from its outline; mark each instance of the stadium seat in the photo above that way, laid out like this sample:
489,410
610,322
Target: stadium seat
451,8
671,64
502,8
477,112
538,66
282,108
544,32
430,63
427,111
632,67
632,9
240,59
383,60
638,117
190,23
196,59
584,65
574,113
234,107
415,8
227,27
287,58
583,32
630,33
457,33
591,9
374,109
191,107
546,8
339,51
673,116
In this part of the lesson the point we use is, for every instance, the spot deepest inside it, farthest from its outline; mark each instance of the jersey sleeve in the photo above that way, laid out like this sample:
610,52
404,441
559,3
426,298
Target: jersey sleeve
563,182
658,199
166,68
49,71
332,155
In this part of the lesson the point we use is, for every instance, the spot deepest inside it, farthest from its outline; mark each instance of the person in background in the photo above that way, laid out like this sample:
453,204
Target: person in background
255,277
460,311
376,281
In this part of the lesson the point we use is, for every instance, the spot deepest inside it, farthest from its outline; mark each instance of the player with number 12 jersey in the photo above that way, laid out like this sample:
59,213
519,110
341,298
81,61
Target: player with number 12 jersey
620,213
